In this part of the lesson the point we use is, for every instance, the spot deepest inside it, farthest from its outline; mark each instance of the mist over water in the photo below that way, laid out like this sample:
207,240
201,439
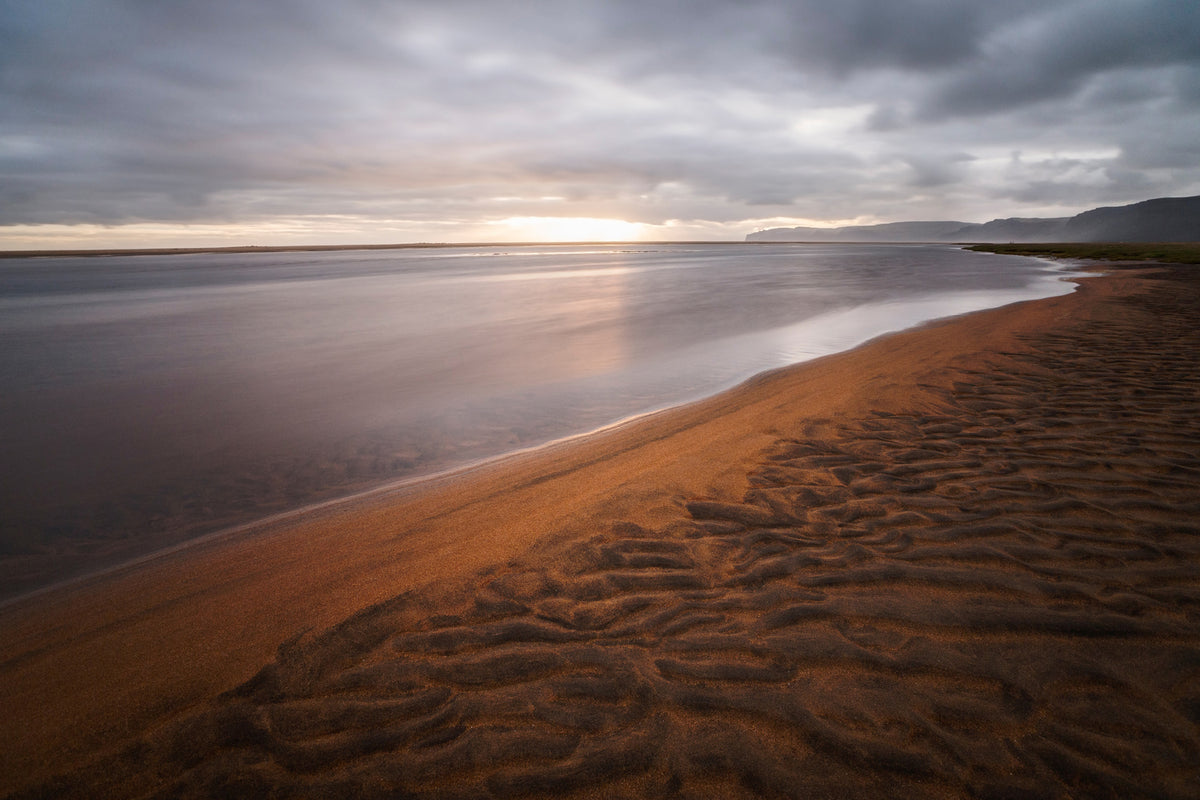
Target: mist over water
147,400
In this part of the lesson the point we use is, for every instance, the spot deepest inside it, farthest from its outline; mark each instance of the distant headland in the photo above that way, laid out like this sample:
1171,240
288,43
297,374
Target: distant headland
1164,219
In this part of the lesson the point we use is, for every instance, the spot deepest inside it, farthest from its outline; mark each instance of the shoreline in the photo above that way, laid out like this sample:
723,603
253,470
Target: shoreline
185,532
394,490
171,636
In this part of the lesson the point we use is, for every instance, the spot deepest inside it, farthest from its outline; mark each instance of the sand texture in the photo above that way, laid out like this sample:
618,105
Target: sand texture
959,561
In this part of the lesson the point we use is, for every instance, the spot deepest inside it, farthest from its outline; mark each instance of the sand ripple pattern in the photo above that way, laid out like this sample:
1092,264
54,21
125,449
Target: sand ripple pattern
995,595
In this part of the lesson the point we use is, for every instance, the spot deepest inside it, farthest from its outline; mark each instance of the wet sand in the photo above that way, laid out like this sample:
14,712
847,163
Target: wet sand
963,560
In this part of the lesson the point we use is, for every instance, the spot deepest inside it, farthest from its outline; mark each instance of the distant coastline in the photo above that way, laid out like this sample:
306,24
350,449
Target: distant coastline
1163,219
1160,220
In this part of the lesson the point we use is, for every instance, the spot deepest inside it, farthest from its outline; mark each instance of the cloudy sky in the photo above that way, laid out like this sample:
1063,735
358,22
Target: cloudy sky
200,122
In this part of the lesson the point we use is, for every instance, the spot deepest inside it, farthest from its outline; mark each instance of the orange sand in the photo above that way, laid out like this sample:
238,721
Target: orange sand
960,560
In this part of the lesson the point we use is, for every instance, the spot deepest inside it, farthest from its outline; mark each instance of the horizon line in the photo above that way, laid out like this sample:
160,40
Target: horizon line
284,248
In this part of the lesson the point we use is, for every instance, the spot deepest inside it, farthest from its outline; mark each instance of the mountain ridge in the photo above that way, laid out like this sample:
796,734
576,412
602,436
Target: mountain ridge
1162,219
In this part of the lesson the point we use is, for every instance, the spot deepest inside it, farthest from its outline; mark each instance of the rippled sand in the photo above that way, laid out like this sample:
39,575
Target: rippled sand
960,561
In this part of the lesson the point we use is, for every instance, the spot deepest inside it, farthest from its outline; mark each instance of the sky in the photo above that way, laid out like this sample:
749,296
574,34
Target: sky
131,123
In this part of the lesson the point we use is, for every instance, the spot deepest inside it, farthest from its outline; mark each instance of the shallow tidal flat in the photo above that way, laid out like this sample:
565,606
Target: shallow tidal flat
960,561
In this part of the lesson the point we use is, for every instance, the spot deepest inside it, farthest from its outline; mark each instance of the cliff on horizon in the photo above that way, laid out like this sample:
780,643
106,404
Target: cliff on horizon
1164,219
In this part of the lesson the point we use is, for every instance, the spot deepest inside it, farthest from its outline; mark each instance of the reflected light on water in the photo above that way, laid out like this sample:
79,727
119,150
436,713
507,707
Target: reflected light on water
843,329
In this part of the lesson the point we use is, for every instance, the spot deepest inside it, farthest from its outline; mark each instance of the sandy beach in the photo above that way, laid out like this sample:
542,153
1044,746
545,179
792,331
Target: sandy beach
962,560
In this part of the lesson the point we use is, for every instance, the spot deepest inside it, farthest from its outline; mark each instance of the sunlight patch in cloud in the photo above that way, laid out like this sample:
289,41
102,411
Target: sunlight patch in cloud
568,229
822,123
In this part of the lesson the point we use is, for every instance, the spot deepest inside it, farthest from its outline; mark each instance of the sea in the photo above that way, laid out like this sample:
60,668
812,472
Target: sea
149,400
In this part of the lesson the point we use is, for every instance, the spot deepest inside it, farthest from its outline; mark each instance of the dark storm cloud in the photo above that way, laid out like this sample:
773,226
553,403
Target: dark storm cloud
115,111
1057,51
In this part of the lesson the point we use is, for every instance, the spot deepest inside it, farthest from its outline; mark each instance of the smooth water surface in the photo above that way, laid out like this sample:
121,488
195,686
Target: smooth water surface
151,399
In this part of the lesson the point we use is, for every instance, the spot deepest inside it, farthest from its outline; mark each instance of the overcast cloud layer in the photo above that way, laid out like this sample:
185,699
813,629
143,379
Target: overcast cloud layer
437,120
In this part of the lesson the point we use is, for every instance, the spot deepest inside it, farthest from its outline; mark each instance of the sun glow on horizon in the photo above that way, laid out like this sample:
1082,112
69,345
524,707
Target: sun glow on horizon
348,231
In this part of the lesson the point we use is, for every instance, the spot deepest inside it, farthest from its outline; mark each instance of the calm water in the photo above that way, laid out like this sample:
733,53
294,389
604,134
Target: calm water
147,400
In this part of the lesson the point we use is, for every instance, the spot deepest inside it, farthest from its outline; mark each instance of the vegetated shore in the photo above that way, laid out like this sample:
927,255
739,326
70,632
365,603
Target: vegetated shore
1161,252
959,560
